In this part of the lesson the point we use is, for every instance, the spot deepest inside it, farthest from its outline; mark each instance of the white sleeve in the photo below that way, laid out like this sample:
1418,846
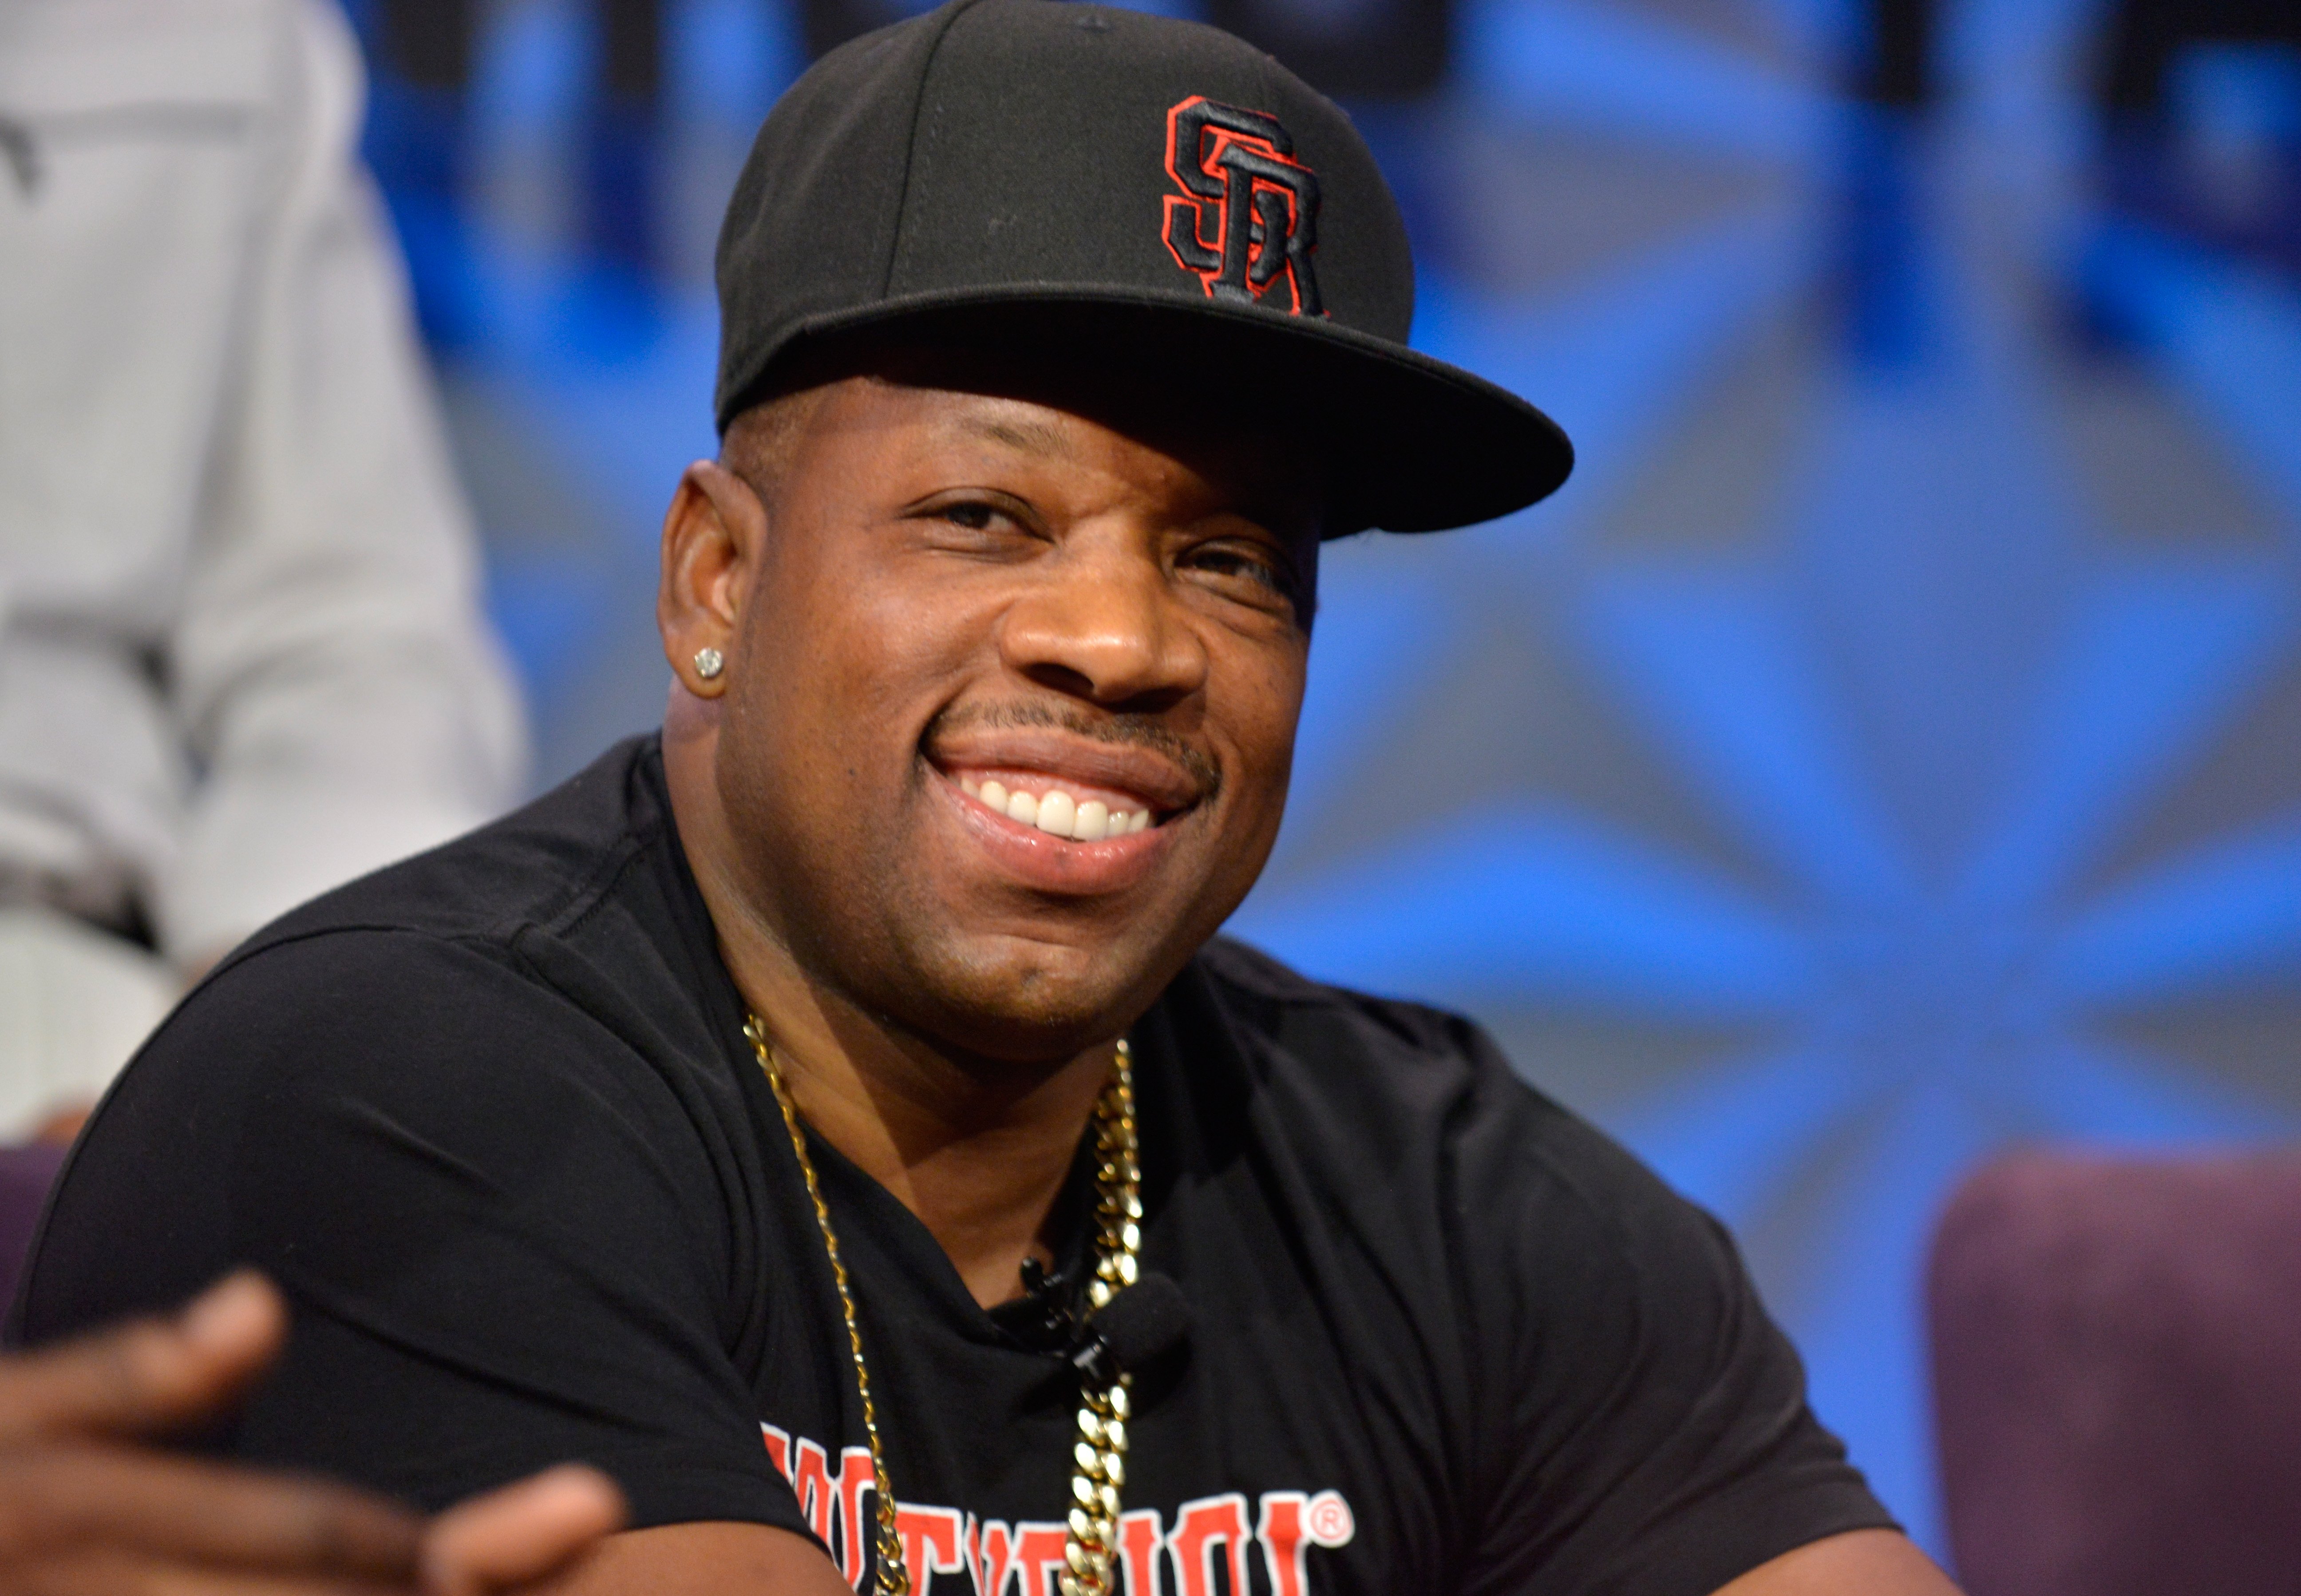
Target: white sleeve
342,696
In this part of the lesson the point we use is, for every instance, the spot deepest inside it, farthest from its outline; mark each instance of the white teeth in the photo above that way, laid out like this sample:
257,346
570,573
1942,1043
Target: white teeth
1056,814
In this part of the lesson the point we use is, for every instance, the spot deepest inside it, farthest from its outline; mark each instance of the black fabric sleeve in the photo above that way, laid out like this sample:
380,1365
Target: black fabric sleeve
506,1237
1653,1438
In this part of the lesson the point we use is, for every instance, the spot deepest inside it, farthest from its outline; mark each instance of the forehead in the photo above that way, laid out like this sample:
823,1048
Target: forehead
1057,414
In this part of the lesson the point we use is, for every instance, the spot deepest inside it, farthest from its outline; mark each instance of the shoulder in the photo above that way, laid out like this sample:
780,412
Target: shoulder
1301,1036
470,1031
545,867
1387,1073
325,1056
1279,998
1418,1138
543,961
1633,1418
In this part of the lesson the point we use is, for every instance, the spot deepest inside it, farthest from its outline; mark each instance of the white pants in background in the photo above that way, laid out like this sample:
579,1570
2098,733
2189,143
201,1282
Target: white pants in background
75,1002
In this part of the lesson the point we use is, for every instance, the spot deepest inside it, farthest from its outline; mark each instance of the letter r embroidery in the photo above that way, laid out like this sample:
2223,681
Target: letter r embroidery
1246,218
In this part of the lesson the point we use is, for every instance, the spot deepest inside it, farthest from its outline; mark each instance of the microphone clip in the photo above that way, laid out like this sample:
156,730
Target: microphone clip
1135,1325
1092,1359
1069,1337
1055,1324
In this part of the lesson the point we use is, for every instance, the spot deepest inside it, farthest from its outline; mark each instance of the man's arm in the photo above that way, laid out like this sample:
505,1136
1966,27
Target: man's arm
1646,1419
82,1508
506,1239
1860,1563
703,1560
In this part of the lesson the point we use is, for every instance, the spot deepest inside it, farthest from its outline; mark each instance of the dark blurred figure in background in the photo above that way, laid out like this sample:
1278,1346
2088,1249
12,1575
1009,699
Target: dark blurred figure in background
420,143
242,657
2227,174
1894,88
1354,50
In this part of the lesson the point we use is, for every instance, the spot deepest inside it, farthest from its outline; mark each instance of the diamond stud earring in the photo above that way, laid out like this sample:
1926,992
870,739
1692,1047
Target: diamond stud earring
709,663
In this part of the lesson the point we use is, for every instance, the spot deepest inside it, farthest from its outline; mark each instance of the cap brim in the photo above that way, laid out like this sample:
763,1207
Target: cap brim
1410,444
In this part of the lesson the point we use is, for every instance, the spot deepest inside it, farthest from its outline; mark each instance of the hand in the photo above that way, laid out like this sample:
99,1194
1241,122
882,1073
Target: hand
83,1508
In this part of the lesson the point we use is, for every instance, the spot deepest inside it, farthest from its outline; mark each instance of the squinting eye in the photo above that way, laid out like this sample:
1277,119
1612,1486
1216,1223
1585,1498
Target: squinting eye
975,518
1231,562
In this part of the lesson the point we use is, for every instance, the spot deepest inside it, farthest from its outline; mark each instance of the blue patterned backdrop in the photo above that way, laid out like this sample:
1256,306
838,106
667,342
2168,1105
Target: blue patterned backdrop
1888,748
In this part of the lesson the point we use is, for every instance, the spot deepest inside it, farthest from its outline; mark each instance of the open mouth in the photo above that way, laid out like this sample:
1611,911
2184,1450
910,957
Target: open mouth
1061,809
1099,798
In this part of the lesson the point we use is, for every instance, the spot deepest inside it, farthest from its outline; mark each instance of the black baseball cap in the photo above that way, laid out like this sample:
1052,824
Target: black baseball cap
1135,189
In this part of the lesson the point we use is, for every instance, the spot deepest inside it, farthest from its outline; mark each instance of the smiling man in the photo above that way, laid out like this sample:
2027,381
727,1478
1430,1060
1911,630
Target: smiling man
836,1117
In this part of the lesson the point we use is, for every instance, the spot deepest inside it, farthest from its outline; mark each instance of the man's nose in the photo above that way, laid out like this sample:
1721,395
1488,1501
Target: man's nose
1102,620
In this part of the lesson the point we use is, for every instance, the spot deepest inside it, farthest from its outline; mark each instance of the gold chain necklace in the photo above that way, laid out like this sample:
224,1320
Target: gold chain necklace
1098,1459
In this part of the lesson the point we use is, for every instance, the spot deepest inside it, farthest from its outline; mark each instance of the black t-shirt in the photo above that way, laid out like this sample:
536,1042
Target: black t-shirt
488,1117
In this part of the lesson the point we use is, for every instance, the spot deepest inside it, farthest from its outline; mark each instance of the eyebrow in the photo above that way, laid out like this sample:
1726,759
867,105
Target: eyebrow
1030,437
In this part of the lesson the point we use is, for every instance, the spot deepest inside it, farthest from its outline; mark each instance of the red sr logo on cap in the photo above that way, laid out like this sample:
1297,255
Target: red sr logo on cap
1247,219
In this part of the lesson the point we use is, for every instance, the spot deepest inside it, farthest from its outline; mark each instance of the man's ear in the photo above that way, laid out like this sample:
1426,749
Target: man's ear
713,535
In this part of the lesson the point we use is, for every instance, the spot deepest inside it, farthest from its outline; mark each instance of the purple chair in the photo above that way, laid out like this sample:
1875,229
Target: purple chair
2117,1375
26,1174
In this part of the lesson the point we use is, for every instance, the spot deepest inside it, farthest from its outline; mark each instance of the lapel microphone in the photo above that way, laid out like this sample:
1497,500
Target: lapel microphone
1138,1323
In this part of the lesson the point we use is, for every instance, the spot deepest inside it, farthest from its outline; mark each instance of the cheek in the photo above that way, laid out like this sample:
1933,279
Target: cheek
857,663
1263,712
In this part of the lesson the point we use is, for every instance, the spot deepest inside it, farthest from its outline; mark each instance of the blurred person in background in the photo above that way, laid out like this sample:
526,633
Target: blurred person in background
242,657
420,140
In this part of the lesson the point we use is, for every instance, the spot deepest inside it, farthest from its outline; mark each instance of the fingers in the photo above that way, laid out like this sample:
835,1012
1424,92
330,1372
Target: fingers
110,1572
520,1533
154,1374
62,1499
78,1516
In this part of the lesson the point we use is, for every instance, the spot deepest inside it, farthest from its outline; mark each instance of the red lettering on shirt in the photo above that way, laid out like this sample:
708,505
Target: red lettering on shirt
1200,1527
995,1558
1280,1531
810,1480
935,1541
855,1478
1038,1557
1029,1556
1140,1539
825,1502
1290,1524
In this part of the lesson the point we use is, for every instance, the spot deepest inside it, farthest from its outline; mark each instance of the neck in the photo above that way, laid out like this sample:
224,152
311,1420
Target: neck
978,1149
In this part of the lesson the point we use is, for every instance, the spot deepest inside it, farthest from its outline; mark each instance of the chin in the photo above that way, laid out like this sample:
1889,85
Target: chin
1034,1002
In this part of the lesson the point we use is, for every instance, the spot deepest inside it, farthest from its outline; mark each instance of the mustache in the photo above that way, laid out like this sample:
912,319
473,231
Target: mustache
1131,730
